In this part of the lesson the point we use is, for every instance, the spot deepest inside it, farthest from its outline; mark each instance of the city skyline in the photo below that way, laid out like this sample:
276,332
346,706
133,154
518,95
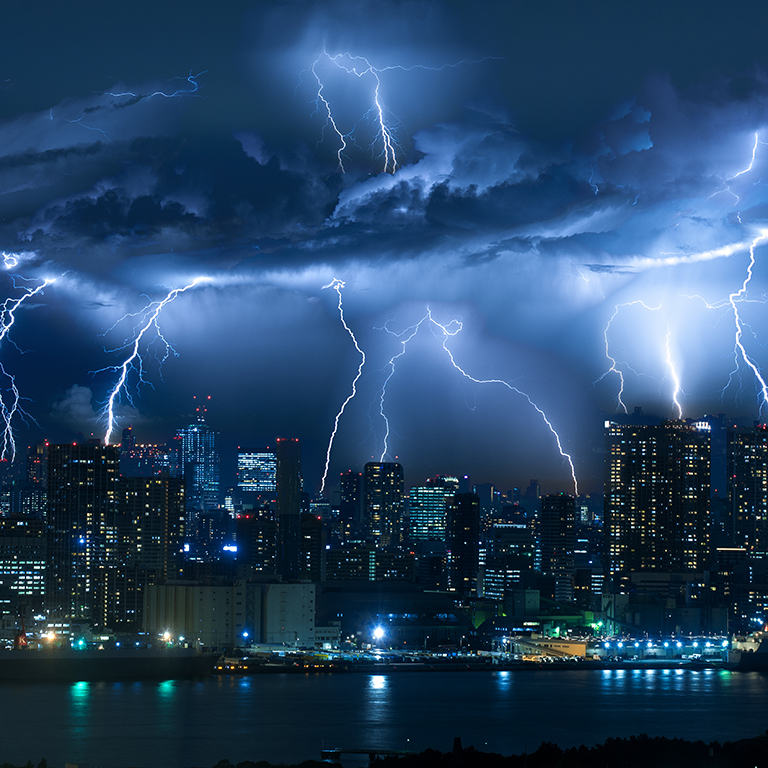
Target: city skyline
457,237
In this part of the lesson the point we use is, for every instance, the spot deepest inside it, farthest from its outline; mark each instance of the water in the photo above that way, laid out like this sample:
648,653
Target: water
289,718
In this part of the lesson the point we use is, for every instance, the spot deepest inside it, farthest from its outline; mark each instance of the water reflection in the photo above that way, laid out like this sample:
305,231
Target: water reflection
80,705
654,681
503,680
201,722
378,682
166,689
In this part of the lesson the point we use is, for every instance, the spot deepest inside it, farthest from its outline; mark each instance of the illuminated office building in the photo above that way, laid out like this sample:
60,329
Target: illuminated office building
427,508
198,466
657,490
256,470
747,466
508,553
22,563
383,486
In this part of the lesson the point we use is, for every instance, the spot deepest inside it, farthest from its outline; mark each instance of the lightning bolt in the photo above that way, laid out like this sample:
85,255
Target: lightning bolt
591,183
190,78
752,161
133,98
449,331
134,361
337,285
385,131
750,166
10,404
673,374
404,336
739,350
615,363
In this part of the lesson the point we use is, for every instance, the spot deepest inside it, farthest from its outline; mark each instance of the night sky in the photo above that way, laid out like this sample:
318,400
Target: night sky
559,168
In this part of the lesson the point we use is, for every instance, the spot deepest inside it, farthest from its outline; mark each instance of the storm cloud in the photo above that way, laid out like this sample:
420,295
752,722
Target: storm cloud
579,189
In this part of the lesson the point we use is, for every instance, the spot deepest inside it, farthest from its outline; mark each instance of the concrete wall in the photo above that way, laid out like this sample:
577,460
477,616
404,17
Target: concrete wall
220,616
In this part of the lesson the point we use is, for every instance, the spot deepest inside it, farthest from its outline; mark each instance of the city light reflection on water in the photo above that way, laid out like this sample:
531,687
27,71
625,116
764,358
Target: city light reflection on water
291,717
378,682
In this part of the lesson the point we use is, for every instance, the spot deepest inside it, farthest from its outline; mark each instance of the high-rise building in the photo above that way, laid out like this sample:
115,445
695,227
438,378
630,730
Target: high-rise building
311,548
747,468
462,542
22,564
152,524
427,508
82,529
31,499
150,542
37,464
558,542
256,470
508,554
657,489
288,507
350,504
383,486
198,466
256,539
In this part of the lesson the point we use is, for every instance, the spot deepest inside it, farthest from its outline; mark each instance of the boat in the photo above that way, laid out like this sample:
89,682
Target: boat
749,654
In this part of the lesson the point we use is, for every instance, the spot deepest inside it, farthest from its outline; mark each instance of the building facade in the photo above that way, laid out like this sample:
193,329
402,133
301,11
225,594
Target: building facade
558,543
198,466
657,497
462,542
288,508
82,529
747,481
257,470
383,486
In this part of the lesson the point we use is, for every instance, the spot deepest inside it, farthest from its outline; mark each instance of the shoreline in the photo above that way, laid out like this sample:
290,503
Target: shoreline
252,667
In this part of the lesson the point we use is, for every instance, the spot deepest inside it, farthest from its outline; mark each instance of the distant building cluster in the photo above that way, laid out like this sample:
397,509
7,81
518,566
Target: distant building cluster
142,537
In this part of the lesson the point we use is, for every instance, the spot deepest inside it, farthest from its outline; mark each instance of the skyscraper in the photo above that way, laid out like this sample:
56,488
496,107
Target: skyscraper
509,553
657,497
82,529
350,504
462,542
383,485
288,507
747,463
558,542
33,499
256,470
427,508
150,542
198,466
